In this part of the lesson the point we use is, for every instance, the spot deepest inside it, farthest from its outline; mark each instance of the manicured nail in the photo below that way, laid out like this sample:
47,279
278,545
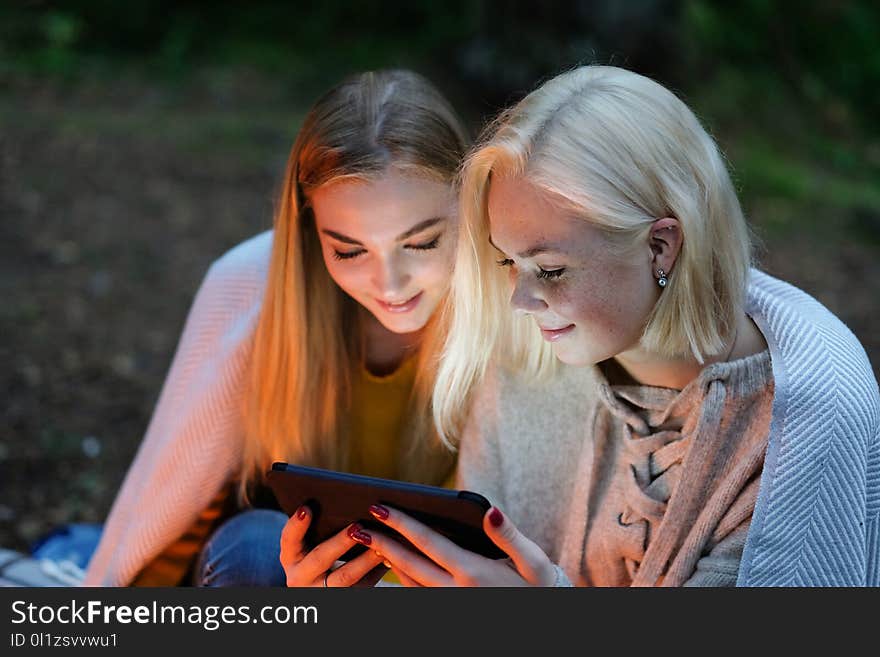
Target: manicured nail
379,511
496,517
302,512
386,563
356,533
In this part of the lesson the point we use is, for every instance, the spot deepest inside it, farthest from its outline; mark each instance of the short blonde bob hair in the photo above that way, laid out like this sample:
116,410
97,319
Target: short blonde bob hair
620,151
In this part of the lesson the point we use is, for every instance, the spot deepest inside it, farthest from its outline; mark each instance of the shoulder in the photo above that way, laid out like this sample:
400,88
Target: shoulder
246,263
558,403
230,296
237,279
787,308
818,363
508,398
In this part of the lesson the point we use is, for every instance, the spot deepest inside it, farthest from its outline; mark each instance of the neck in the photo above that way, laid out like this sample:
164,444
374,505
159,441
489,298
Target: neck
649,369
385,350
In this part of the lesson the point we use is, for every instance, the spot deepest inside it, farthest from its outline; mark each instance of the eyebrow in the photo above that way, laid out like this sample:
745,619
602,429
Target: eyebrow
532,252
418,228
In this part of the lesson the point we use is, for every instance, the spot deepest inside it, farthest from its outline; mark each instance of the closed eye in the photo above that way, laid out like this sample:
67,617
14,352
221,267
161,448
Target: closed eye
550,273
425,246
541,273
347,255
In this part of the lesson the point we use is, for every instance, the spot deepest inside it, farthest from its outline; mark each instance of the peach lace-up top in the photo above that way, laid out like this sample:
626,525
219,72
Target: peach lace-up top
674,476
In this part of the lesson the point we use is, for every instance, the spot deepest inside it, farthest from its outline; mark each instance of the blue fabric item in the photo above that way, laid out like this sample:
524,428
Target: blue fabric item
244,551
74,542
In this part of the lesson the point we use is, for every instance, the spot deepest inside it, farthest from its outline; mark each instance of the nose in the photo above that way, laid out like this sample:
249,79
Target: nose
525,298
390,278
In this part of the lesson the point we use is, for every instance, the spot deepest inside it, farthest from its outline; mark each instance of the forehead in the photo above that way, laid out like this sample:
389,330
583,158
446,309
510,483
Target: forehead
522,216
380,208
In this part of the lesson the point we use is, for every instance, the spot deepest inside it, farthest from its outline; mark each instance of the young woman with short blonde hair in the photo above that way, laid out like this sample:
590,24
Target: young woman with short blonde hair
653,410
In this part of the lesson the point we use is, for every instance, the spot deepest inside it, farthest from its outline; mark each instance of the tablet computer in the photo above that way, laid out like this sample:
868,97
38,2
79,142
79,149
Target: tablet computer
338,499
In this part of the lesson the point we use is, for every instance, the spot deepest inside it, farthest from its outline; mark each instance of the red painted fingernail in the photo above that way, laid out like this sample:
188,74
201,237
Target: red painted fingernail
354,529
302,512
379,511
360,536
496,517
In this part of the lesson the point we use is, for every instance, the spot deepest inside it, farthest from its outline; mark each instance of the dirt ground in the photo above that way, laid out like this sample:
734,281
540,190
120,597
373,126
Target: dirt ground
112,206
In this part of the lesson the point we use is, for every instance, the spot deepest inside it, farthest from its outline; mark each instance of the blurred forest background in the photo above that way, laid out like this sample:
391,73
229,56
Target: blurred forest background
139,140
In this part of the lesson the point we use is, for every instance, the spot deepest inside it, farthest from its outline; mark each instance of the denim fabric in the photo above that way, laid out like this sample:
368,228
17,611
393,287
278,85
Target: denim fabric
244,551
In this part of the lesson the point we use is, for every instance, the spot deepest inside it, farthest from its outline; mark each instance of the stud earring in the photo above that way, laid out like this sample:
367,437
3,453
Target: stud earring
662,281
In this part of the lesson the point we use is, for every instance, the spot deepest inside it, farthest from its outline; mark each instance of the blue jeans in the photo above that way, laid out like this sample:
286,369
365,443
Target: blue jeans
244,551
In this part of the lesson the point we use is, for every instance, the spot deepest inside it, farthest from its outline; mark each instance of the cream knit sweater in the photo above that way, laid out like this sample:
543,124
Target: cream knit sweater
659,485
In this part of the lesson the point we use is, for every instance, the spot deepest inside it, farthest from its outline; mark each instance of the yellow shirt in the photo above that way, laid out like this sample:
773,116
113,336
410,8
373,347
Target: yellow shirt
378,419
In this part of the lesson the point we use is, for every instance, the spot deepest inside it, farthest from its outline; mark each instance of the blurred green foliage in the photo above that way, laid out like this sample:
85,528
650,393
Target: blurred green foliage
789,88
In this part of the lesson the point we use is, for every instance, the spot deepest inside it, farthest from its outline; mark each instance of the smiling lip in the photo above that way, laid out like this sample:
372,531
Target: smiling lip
550,335
404,307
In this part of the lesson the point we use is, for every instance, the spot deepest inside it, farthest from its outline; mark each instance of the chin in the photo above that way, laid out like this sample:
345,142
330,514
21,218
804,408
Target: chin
403,325
575,357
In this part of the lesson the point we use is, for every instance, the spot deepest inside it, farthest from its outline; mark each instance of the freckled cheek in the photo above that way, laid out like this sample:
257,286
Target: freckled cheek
596,310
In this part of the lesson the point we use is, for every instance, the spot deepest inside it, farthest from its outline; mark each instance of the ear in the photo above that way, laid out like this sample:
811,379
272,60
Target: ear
665,240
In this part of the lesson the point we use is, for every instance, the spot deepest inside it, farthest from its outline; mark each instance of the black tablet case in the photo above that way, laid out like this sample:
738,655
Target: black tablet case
337,499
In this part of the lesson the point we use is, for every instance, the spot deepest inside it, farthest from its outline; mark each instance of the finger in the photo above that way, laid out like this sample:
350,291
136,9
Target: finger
530,560
293,536
321,559
436,546
353,571
404,579
373,577
416,566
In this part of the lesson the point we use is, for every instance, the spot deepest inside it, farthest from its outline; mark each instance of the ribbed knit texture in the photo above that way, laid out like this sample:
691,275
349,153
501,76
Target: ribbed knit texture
193,443
816,518
673,474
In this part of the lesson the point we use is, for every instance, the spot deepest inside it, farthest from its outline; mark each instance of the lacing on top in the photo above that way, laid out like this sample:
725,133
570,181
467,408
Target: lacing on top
658,426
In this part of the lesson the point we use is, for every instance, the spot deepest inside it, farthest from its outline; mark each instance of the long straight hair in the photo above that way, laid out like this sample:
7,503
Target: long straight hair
308,338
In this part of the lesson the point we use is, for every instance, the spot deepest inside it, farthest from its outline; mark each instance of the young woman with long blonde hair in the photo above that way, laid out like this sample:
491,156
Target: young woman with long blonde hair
652,410
314,343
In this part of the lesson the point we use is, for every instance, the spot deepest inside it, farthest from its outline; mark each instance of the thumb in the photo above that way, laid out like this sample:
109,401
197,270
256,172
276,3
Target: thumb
529,559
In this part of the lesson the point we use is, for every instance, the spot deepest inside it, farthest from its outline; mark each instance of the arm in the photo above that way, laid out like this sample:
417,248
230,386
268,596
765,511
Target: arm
192,444
172,566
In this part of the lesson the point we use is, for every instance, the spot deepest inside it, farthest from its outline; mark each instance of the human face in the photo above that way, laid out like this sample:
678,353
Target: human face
389,244
589,303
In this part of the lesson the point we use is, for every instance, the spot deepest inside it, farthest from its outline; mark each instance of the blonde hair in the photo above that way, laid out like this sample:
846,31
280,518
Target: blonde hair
620,151
307,340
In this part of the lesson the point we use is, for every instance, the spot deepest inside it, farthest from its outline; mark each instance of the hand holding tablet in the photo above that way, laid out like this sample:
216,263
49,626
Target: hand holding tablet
337,499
